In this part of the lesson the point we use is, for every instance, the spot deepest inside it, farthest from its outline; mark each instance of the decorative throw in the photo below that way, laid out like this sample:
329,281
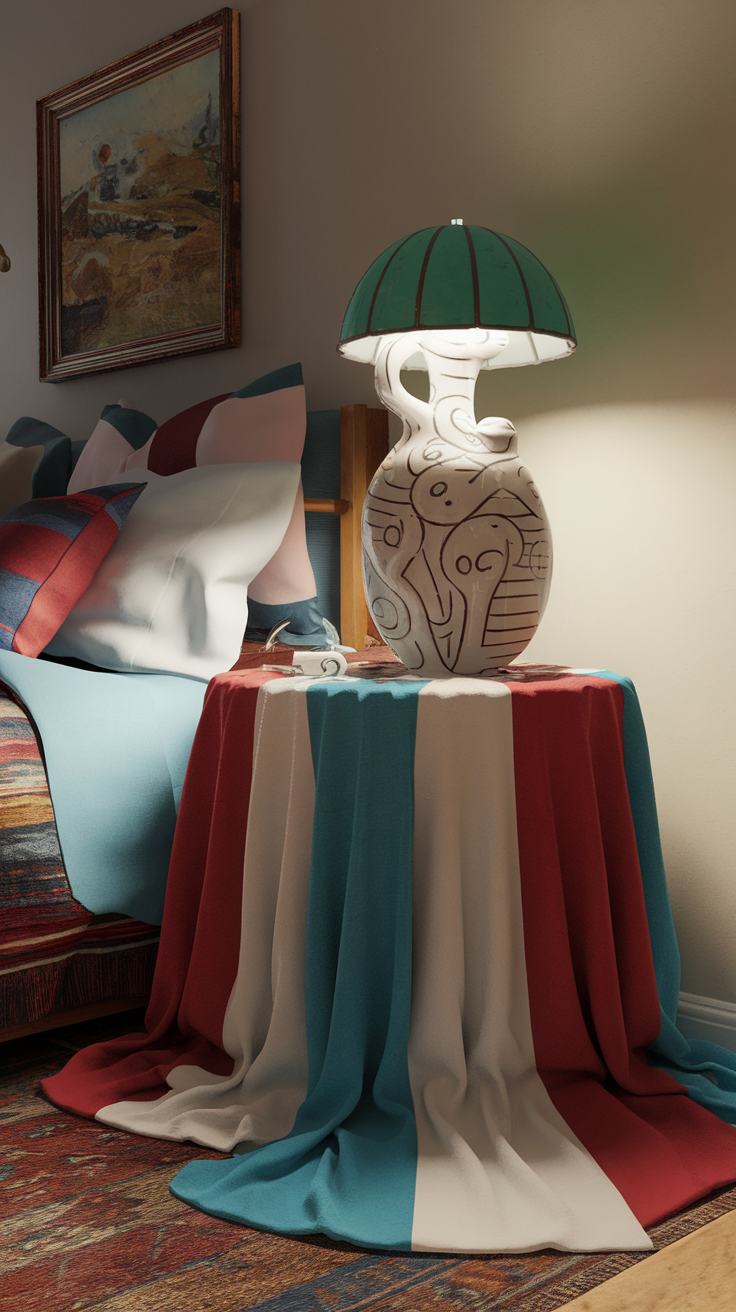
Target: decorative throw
54,954
50,550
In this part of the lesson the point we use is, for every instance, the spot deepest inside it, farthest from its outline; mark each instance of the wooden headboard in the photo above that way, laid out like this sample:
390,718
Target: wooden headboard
363,445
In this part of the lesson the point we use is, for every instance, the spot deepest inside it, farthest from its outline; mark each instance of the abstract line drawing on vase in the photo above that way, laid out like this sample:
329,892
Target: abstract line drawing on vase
457,552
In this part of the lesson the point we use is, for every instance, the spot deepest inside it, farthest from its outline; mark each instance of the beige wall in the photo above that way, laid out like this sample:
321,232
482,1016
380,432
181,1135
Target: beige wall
601,134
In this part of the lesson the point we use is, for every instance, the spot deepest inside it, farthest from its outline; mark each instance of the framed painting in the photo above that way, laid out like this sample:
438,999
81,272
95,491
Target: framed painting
139,206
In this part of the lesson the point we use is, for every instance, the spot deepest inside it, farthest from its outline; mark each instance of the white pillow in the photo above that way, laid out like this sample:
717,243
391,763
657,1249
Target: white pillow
171,595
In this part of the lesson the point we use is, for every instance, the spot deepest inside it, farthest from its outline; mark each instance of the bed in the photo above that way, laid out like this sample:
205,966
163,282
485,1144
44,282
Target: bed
67,958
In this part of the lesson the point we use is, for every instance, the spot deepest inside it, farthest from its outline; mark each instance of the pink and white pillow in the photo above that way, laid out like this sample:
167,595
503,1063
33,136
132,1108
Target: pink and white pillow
265,421
121,431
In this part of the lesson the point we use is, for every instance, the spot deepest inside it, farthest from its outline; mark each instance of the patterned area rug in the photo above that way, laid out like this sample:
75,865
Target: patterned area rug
87,1221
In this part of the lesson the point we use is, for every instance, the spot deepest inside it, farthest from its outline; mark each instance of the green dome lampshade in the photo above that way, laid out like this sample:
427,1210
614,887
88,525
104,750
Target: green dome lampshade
459,276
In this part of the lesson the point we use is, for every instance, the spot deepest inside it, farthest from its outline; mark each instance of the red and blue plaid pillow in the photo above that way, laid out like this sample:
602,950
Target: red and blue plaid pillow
50,550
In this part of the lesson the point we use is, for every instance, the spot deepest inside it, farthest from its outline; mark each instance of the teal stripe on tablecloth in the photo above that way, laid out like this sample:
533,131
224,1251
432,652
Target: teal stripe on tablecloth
348,1167
686,1060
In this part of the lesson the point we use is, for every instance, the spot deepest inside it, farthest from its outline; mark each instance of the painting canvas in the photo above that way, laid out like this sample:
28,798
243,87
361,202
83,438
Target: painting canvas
138,203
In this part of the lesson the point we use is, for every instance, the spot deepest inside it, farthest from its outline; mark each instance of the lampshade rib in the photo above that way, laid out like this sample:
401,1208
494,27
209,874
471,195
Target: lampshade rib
395,304
529,324
423,276
447,295
474,274
367,290
566,308
547,305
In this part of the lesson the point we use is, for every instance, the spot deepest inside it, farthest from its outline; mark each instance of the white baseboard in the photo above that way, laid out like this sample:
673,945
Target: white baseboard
707,1018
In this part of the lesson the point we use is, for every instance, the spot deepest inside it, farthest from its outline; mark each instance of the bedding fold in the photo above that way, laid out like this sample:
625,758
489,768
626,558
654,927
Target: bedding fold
116,748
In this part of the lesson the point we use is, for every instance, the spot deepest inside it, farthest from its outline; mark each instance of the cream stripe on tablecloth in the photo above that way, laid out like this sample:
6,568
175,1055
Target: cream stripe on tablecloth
498,1169
264,1025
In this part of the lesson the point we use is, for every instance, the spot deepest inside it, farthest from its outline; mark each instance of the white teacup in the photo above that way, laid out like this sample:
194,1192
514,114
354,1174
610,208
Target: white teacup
319,664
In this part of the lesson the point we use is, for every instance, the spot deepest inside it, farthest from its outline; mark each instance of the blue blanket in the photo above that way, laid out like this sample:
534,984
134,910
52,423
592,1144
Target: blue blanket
116,748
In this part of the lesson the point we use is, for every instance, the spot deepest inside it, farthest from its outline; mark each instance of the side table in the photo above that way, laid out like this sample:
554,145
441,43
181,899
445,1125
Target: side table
406,973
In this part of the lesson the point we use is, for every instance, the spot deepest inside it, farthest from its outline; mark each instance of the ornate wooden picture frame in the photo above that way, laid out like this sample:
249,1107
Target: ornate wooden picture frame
139,206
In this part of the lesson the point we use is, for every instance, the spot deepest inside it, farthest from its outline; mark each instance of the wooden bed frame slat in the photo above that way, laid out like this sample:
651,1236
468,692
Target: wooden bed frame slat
73,1016
363,445
327,505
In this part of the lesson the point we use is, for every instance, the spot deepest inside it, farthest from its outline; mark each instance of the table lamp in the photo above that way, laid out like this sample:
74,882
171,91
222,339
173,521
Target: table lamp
457,552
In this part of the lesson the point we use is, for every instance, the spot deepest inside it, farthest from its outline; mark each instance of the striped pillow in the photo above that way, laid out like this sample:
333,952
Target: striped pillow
50,550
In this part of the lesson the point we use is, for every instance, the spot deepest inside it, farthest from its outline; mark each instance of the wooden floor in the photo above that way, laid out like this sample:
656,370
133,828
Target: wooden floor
696,1274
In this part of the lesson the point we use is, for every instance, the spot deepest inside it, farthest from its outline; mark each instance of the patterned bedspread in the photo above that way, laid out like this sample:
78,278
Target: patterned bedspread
54,954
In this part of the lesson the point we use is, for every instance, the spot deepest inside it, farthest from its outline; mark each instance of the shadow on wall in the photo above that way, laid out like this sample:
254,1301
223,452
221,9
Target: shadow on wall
641,502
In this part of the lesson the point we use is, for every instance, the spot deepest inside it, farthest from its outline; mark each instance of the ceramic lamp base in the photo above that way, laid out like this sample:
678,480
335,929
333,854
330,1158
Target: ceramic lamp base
457,549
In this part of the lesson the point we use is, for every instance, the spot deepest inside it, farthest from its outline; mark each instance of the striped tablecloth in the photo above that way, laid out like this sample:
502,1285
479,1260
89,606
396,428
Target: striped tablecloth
415,943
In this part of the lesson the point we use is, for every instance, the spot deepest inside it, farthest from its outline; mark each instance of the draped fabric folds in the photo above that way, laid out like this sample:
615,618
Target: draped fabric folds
409,971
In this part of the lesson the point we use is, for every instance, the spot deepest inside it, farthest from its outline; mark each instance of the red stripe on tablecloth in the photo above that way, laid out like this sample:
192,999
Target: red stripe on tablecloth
201,922
592,989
